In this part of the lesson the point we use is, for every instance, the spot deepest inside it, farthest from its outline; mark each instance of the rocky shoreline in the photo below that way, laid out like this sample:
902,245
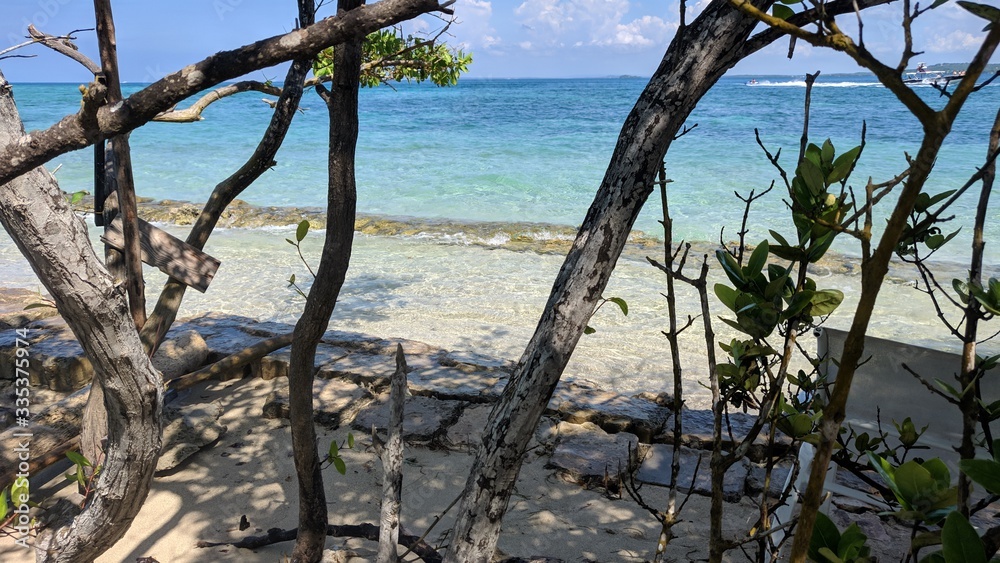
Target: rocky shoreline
543,238
585,436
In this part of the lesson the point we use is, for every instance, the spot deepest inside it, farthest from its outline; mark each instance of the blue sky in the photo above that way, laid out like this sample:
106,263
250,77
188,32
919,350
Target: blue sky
508,38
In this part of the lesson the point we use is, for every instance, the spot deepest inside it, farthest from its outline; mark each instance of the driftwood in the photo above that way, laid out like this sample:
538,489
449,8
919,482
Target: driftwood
364,531
392,464
234,361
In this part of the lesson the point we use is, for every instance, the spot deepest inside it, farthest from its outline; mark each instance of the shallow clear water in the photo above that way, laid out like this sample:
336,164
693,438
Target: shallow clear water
512,151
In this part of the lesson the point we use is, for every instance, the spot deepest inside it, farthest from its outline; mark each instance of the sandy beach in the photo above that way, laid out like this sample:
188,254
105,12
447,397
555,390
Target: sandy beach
566,505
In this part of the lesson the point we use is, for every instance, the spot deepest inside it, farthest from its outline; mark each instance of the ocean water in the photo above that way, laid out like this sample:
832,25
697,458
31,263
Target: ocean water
513,152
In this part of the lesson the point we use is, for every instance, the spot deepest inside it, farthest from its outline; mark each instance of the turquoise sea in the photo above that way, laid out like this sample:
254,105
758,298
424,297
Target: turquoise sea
515,152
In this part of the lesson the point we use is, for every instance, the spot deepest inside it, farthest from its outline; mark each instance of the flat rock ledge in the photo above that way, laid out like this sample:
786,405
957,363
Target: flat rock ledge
588,435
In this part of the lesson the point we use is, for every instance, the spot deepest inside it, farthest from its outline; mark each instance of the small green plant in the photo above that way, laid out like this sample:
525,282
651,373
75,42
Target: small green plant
829,545
300,234
333,455
81,476
617,301
76,197
389,56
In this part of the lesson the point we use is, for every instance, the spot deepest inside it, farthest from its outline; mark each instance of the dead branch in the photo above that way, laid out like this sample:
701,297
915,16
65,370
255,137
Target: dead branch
64,45
363,531
392,465
231,362
193,113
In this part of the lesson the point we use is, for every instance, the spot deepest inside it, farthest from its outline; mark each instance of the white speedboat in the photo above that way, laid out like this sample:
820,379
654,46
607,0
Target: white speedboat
932,77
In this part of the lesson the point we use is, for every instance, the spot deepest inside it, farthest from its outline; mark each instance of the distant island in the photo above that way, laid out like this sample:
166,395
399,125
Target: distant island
956,67
939,67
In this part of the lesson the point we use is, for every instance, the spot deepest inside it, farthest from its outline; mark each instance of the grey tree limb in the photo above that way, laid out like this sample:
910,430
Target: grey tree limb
342,106
55,242
691,65
392,466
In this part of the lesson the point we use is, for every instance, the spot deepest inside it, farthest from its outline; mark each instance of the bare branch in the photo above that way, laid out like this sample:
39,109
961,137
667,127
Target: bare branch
77,131
193,113
65,46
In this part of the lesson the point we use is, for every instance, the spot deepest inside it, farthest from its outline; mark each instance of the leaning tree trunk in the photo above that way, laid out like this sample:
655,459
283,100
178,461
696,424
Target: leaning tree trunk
95,419
342,104
54,240
697,57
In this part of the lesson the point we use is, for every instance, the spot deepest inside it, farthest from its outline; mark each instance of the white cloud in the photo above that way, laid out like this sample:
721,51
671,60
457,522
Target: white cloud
475,29
955,41
643,32
579,23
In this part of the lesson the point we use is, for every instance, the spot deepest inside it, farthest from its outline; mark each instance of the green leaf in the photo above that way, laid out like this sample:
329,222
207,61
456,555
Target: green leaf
350,440
757,260
948,388
825,535
912,480
78,459
826,153
852,543
38,306
589,330
3,505
731,267
986,472
887,472
778,238
782,12
334,450
959,541
842,166
340,466
828,555
813,178
825,301
790,253
776,287
939,471
938,3
726,295
819,246
302,230
19,489
734,324
962,289
621,304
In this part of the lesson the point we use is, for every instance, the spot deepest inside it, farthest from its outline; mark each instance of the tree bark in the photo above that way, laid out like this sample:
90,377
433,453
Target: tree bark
169,302
695,60
54,240
392,466
342,105
107,44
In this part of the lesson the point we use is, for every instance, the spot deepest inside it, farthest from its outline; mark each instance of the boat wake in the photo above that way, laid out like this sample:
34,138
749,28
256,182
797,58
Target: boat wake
802,84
